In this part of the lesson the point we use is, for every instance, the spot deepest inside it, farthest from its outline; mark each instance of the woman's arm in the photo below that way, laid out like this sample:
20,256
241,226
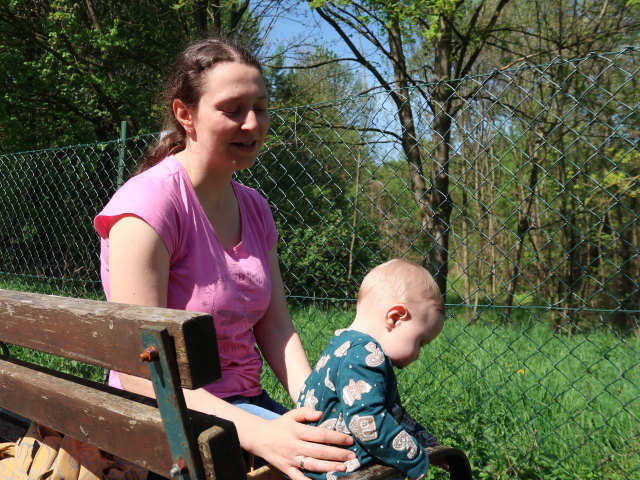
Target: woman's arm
138,264
277,338
139,274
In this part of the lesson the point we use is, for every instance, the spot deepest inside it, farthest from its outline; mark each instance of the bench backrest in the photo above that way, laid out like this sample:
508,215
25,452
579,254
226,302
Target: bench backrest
108,334
111,336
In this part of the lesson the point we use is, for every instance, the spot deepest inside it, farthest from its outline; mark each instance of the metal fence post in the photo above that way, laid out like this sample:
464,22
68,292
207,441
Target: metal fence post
122,152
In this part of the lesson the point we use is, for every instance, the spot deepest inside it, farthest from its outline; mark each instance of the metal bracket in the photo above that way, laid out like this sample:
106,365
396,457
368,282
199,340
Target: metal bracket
159,354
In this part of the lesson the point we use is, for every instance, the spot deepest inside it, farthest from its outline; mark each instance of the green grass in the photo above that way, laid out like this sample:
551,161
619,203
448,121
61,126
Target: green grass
52,286
522,400
60,364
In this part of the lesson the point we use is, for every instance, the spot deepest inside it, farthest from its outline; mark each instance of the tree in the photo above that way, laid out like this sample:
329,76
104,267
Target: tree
570,29
73,71
70,73
418,49
456,32
307,172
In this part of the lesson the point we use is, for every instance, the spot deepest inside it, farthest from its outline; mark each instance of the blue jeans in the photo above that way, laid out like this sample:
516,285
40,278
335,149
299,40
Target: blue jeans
261,405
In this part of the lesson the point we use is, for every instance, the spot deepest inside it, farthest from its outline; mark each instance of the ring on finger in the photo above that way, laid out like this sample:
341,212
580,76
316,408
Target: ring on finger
302,460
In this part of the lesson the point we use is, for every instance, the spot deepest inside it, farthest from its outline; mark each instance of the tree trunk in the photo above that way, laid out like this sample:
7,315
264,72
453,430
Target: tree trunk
200,17
434,205
524,224
401,97
436,220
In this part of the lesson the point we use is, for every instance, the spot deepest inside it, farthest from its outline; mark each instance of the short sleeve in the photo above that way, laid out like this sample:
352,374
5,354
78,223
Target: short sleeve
146,198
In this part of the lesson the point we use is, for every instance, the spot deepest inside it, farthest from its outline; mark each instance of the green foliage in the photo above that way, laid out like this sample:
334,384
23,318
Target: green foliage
316,258
81,70
72,71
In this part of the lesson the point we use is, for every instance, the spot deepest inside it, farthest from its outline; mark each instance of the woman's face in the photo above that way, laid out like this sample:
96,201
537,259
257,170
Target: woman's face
231,120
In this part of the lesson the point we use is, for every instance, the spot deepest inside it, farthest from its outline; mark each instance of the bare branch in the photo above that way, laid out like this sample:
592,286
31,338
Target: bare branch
485,32
356,129
314,65
356,51
354,23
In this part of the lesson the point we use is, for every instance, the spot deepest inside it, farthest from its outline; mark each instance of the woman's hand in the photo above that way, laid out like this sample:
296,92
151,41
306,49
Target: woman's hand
286,443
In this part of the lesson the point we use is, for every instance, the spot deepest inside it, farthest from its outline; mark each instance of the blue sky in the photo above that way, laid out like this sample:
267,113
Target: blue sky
299,24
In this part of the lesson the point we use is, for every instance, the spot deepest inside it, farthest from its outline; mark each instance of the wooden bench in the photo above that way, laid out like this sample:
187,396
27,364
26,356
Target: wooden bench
175,349
180,348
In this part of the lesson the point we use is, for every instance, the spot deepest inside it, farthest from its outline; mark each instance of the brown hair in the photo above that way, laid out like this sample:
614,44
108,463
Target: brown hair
185,83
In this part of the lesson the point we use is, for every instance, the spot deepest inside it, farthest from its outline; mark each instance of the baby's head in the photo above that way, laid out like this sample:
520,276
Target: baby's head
400,305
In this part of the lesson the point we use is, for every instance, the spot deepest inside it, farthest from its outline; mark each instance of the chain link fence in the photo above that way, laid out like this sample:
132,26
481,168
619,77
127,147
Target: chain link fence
525,207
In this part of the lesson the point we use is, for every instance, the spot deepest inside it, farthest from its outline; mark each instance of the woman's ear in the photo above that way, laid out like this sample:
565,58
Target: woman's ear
395,314
183,114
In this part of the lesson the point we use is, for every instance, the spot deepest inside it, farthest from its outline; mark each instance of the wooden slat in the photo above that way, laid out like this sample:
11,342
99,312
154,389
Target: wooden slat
375,472
220,450
121,423
370,472
114,423
107,334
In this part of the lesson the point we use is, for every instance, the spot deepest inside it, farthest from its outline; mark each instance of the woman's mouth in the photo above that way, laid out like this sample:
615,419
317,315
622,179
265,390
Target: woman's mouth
245,146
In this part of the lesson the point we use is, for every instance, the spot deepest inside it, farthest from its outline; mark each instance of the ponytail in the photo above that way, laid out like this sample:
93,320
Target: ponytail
170,142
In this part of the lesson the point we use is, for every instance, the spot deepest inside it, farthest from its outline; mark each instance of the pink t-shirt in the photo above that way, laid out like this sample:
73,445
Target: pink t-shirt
233,285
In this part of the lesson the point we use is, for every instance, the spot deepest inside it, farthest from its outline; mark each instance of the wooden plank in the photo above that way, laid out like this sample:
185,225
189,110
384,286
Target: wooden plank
106,419
265,473
370,472
121,423
220,450
107,334
456,460
375,472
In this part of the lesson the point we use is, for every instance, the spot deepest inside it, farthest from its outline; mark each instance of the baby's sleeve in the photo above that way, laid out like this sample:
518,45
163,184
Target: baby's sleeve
424,438
362,387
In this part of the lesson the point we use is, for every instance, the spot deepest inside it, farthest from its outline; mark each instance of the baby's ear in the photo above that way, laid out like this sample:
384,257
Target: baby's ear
395,314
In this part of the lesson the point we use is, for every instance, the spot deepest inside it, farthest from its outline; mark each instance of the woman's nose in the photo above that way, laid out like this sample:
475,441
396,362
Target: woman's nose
250,120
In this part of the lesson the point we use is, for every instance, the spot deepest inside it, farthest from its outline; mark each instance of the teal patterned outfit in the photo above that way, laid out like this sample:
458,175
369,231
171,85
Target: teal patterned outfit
355,387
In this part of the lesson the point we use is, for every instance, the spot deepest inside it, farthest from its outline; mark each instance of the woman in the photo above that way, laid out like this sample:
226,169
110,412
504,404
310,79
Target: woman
183,234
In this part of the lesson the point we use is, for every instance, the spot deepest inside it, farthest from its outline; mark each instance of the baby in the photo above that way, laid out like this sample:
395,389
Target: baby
399,310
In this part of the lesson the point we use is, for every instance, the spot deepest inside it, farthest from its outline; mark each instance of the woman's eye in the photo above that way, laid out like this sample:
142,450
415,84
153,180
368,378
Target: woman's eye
228,108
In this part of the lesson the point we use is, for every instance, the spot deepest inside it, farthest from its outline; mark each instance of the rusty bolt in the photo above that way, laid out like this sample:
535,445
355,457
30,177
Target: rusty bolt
178,467
150,354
